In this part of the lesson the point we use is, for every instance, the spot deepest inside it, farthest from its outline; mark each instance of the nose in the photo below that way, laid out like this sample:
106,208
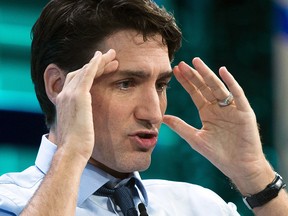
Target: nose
151,106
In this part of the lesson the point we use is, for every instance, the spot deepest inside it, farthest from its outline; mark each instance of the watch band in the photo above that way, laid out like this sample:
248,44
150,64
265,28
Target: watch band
264,196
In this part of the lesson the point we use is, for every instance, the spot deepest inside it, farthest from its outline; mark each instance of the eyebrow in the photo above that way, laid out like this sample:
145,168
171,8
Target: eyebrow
143,75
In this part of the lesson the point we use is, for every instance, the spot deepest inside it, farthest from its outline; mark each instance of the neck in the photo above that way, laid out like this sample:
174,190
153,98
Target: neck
108,170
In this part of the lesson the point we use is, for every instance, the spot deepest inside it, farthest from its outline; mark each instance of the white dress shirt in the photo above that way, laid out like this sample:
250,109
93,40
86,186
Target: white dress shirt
161,197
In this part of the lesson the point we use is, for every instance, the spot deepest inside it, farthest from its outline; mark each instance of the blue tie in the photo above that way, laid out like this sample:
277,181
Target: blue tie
122,196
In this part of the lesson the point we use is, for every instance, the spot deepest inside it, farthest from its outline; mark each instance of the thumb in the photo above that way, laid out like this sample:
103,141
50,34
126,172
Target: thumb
186,131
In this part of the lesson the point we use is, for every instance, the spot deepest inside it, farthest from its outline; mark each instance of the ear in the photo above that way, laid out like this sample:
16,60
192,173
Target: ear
54,79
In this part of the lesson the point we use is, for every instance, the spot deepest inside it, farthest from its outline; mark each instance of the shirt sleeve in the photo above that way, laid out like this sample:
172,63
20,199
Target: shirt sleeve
8,207
5,213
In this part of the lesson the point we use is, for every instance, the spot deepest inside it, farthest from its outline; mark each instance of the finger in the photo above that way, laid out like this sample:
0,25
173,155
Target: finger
194,77
186,131
186,77
70,76
95,68
111,66
218,88
188,86
83,74
196,96
240,99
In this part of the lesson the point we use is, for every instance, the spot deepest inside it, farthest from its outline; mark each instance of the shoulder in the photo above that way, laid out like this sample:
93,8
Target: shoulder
187,195
159,183
175,187
17,188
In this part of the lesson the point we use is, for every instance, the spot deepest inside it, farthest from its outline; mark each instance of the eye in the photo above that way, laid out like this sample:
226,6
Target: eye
125,84
162,86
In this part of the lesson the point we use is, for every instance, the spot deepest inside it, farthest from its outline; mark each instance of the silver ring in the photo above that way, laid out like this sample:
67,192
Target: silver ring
227,101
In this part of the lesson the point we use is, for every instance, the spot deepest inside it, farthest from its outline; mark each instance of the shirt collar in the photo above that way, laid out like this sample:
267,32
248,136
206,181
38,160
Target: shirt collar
92,178
45,154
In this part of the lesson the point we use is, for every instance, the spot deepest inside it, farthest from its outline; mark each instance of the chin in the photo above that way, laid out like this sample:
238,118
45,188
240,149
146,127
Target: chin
137,164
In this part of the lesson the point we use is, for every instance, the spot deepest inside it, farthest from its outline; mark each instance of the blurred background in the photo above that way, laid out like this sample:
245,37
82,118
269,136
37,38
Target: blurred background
248,37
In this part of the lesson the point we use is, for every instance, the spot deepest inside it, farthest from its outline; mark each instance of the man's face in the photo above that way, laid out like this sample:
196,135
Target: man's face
129,104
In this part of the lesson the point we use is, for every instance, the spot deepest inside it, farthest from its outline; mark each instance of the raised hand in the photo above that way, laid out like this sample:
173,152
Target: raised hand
229,136
74,108
73,133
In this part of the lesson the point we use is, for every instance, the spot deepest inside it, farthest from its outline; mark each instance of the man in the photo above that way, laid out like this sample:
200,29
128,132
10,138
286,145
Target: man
100,70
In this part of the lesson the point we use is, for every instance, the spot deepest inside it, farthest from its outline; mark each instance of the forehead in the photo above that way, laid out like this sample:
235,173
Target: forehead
130,37
133,51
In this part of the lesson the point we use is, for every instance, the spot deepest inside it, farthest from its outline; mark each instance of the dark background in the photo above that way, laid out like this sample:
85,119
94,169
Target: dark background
234,33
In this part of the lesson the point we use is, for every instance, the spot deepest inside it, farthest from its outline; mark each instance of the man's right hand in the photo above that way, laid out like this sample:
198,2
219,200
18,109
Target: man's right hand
74,135
74,127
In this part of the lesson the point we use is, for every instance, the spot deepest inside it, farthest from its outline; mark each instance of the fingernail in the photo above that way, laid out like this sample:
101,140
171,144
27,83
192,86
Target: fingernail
224,68
97,53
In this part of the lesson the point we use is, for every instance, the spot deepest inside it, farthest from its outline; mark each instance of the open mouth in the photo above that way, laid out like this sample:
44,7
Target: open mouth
145,135
145,140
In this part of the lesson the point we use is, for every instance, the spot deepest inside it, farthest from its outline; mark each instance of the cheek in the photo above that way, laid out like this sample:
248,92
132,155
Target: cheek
99,109
112,112
119,111
163,102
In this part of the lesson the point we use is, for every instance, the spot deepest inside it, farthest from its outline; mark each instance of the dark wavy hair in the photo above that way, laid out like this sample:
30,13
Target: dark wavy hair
68,32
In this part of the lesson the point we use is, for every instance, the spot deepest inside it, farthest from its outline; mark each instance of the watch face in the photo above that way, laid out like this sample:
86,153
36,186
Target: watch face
279,183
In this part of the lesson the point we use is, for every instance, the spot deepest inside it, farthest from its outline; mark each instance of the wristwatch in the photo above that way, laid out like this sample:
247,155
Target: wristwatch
264,196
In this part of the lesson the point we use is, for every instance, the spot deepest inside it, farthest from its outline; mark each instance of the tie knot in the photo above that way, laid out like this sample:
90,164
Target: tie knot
121,195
